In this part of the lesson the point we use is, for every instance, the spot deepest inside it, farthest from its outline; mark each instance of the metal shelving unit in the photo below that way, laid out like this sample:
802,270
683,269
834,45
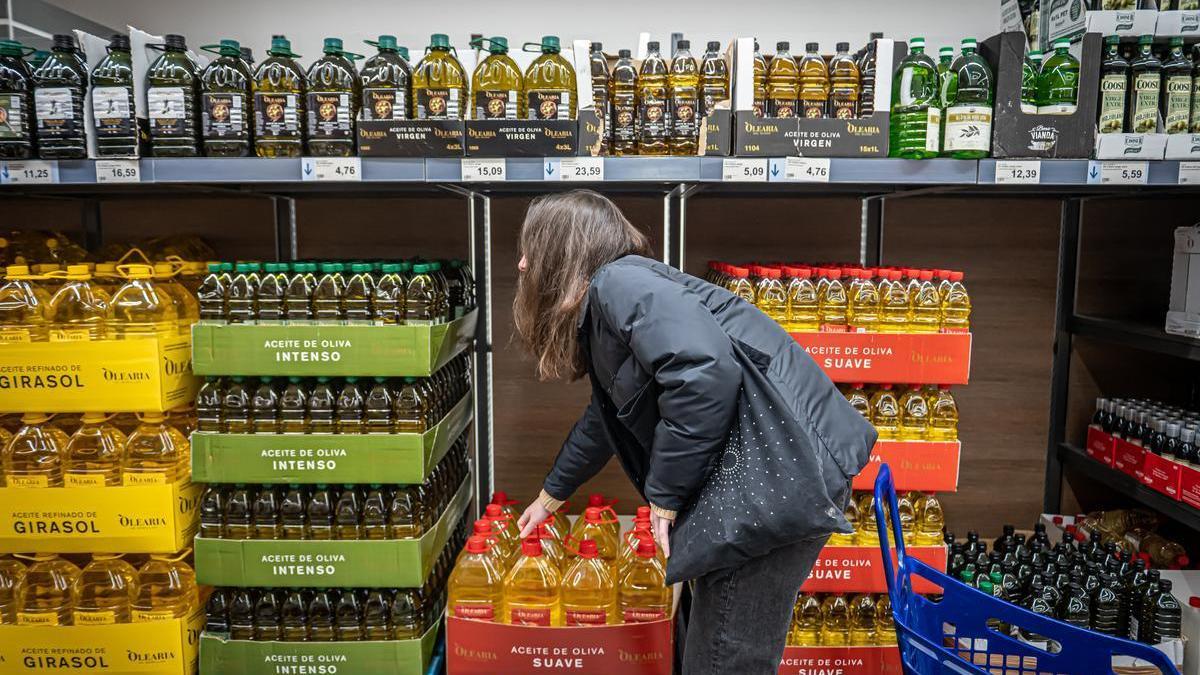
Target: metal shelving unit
1078,460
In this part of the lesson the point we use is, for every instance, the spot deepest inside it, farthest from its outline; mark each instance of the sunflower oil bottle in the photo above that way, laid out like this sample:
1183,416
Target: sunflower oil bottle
59,85
943,416
916,118
155,453
333,95
600,100
532,589
141,308
22,307
914,415
885,629
113,113
550,90
476,586
623,88
714,79
930,521
806,621
770,295
166,589
926,304
969,98
439,82
835,621
652,120
12,579
93,454
589,595
783,83
279,98
684,104
834,303
103,591
760,82
862,313
34,456
885,413
496,85
845,84
16,101
187,308
862,620
594,526
172,90
814,83
78,309
803,305
642,593
45,597
385,82
225,108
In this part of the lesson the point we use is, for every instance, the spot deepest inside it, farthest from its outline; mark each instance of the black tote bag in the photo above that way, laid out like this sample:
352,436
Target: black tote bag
773,485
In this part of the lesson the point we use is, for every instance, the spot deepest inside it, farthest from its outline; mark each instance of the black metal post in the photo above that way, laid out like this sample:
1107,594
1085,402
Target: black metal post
479,214
93,232
286,238
871,250
1068,260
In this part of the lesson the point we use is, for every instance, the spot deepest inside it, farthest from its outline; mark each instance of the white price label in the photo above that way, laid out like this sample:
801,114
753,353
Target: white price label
476,169
735,169
807,169
1189,173
1018,172
118,171
1118,173
29,172
331,168
581,168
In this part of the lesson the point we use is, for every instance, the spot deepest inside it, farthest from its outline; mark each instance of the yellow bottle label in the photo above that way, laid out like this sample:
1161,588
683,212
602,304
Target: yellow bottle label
69,335
83,480
149,615
31,481
37,619
152,478
14,336
95,618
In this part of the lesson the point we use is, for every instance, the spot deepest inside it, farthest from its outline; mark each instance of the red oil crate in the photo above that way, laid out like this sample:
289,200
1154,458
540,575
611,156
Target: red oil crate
841,660
1129,458
928,466
916,358
859,569
1100,445
1189,486
1162,474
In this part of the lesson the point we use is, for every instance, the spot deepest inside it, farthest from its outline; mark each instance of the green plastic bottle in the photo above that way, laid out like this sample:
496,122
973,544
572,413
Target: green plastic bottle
321,402
113,111
59,84
1058,82
1031,69
328,294
225,95
1146,89
1177,81
320,514
496,84
550,92
386,82
916,117
293,525
172,89
421,301
333,96
388,304
293,407
945,61
439,82
16,101
350,408
279,102
970,93
360,289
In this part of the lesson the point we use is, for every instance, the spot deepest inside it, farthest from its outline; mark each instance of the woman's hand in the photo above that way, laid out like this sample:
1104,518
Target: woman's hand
535,514
662,530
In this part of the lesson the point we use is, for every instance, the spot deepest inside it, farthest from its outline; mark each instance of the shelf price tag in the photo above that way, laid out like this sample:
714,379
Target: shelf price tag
1018,172
476,169
331,168
118,171
740,170
1118,173
580,169
805,169
29,172
1189,173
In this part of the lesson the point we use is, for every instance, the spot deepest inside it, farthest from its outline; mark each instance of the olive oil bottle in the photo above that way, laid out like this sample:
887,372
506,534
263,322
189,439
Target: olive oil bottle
58,88
1114,87
171,92
814,83
385,82
714,79
279,89
622,86
16,101
550,92
1177,83
1147,84
652,122
760,82
684,83
439,82
496,84
333,96
225,95
112,102
845,84
783,83
600,98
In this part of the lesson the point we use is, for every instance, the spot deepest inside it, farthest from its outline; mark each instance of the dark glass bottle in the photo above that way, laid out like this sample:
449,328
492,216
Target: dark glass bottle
714,78
225,97
385,82
1146,88
113,111
1166,615
333,97
58,90
599,68
279,89
1176,99
867,68
1114,94
172,89
652,122
16,102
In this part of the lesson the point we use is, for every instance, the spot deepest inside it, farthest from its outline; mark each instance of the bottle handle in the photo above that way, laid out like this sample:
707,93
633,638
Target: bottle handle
353,56
212,49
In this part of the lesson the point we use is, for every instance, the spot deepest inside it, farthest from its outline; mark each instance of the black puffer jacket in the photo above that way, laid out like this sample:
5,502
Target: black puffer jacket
665,383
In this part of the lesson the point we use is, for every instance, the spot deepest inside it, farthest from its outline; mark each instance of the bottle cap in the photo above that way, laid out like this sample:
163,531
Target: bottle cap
926,275
969,43
812,47
783,46
652,46
946,51
591,514
332,45
477,544
79,272
624,54
384,43
713,46
493,510
403,52
646,547
359,268
1065,43
643,512
34,418
1176,41
500,498
11,48
498,45
439,41
588,549
550,44
596,47
531,547
138,271
596,499
916,43
119,43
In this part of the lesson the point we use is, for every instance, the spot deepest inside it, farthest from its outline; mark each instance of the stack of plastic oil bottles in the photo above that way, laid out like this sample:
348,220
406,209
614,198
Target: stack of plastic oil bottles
910,412
922,520
839,620
846,298
587,574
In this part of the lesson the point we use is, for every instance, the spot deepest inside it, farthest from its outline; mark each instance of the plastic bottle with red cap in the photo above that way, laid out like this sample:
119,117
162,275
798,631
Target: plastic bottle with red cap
770,295
739,283
504,528
803,306
863,309
596,524
588,589
607,513
833,303
642,593
894,309
476,586
532,588
926,305
956,305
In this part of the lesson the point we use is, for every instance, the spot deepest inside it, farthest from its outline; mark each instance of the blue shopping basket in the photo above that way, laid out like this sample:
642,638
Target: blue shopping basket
952,636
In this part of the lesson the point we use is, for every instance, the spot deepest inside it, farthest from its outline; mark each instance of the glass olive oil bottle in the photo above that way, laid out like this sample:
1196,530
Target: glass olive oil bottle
600,100
112,102
1114,87
58,87
386,82
279,102
333,96
1177,86
684,83
225,94
16,101
622,86
439,82
171,92
496,84
1146,89
550,92
652,122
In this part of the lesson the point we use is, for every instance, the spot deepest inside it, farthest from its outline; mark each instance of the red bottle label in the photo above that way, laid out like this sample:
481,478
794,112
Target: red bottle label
643,614
529,616
478,612
585,617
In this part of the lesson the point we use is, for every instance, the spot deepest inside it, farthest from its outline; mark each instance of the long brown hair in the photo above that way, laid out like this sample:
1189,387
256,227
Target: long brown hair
565,238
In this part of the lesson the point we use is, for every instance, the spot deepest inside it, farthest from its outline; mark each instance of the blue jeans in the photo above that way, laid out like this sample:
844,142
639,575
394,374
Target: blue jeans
740,616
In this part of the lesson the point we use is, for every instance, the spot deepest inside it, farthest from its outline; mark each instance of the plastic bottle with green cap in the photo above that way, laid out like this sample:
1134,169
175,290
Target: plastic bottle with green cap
945,61
114,116
279,89
268,297
328,294
297,297
350,407
172,92
1058,82
333,97
388,304
225,94
970,93
496,83
16,101
59,84
916,116
264,407
421,299
386,82
241,293
321,402
360,289
439,82
550,92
